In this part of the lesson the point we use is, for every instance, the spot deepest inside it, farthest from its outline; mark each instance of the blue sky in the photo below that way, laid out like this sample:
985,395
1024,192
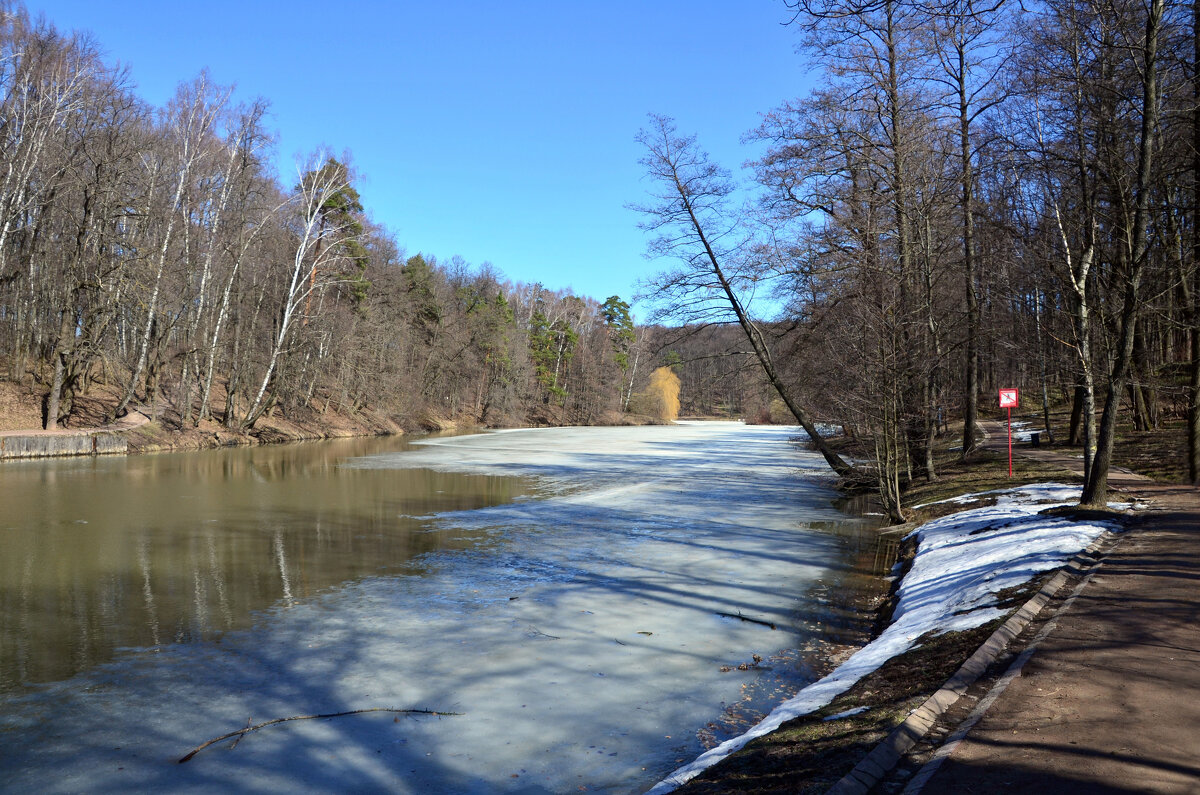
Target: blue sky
498,131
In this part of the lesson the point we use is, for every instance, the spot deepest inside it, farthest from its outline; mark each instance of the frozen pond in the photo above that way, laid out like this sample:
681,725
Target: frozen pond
572,593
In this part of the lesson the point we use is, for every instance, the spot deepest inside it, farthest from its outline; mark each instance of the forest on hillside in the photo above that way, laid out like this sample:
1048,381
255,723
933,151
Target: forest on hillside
152,254
974,195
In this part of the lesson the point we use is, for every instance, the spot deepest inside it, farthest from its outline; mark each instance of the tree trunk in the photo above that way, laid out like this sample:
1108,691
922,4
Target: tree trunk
1043,376
51,420
1075,430
1193,425
1193,300
971,388
1095,491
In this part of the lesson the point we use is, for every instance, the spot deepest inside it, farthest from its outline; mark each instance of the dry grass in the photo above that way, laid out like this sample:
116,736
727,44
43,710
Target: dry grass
1160,454
810,753
20,407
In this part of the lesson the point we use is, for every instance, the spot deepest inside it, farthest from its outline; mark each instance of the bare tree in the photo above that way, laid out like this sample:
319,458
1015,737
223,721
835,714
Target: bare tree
318,246
971,57
692,222
1136,243
1191,284
236,182
44,77
189,122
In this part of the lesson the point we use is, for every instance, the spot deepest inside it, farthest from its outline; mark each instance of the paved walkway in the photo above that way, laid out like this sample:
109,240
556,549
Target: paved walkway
1110,702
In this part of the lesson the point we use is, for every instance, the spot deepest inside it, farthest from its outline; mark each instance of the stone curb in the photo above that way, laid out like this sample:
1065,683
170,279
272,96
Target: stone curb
880,761
931,767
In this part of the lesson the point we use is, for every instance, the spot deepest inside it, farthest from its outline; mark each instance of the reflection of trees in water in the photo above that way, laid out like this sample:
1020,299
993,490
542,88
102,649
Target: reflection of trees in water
148,589
281,560
179,553
70,613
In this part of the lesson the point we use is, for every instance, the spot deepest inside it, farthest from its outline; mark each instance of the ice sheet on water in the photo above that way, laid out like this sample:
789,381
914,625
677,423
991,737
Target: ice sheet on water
581,639
727,471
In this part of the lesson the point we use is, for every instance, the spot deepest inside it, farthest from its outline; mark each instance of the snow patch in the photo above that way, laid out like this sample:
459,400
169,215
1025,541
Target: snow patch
847,714
963,560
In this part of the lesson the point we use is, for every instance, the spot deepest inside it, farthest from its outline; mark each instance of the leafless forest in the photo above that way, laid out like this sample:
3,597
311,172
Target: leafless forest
975,195
154,251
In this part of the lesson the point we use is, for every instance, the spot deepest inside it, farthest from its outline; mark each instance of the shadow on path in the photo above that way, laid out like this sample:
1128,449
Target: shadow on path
1111,700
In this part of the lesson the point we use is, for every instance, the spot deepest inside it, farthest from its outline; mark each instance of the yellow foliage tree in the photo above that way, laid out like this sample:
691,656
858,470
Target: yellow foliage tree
663,393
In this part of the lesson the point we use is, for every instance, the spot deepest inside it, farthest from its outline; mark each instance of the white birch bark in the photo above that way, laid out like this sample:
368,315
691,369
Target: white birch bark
317,246
190,125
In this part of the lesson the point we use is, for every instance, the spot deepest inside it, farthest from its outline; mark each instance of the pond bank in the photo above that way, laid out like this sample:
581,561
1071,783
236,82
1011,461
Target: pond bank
146,437
146,429
967,567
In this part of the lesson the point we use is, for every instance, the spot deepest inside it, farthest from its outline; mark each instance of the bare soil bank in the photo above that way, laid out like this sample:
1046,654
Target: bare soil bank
158,428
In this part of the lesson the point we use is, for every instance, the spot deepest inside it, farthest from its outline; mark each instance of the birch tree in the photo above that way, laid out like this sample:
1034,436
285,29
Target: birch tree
44,77
1136,242
320,242
189,121
235,188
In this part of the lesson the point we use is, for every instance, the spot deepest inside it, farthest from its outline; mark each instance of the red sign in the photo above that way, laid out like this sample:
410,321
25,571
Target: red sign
1008,400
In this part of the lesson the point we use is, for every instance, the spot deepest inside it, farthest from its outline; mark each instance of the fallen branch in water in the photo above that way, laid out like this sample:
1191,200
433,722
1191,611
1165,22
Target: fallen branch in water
240,732
747,618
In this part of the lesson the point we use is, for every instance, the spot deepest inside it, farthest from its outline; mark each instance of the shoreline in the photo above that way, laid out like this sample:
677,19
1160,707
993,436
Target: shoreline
141,432
869,596
943,594
812,752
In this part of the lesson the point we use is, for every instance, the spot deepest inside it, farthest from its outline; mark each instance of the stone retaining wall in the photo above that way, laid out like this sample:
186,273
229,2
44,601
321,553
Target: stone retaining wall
55,445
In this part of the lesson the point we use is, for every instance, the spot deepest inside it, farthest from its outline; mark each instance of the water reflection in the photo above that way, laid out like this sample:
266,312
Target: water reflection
102,554
585,633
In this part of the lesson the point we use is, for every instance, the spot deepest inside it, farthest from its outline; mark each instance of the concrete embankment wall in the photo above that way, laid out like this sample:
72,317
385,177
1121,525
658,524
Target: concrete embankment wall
77,444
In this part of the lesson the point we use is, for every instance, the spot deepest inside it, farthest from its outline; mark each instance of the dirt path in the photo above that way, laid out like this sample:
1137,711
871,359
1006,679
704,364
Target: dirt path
1110,702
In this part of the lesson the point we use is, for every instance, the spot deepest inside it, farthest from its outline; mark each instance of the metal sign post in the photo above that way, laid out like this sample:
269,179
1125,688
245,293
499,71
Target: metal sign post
1008,400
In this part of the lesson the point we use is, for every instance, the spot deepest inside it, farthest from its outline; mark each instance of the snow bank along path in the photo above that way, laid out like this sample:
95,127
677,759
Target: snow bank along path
963,560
